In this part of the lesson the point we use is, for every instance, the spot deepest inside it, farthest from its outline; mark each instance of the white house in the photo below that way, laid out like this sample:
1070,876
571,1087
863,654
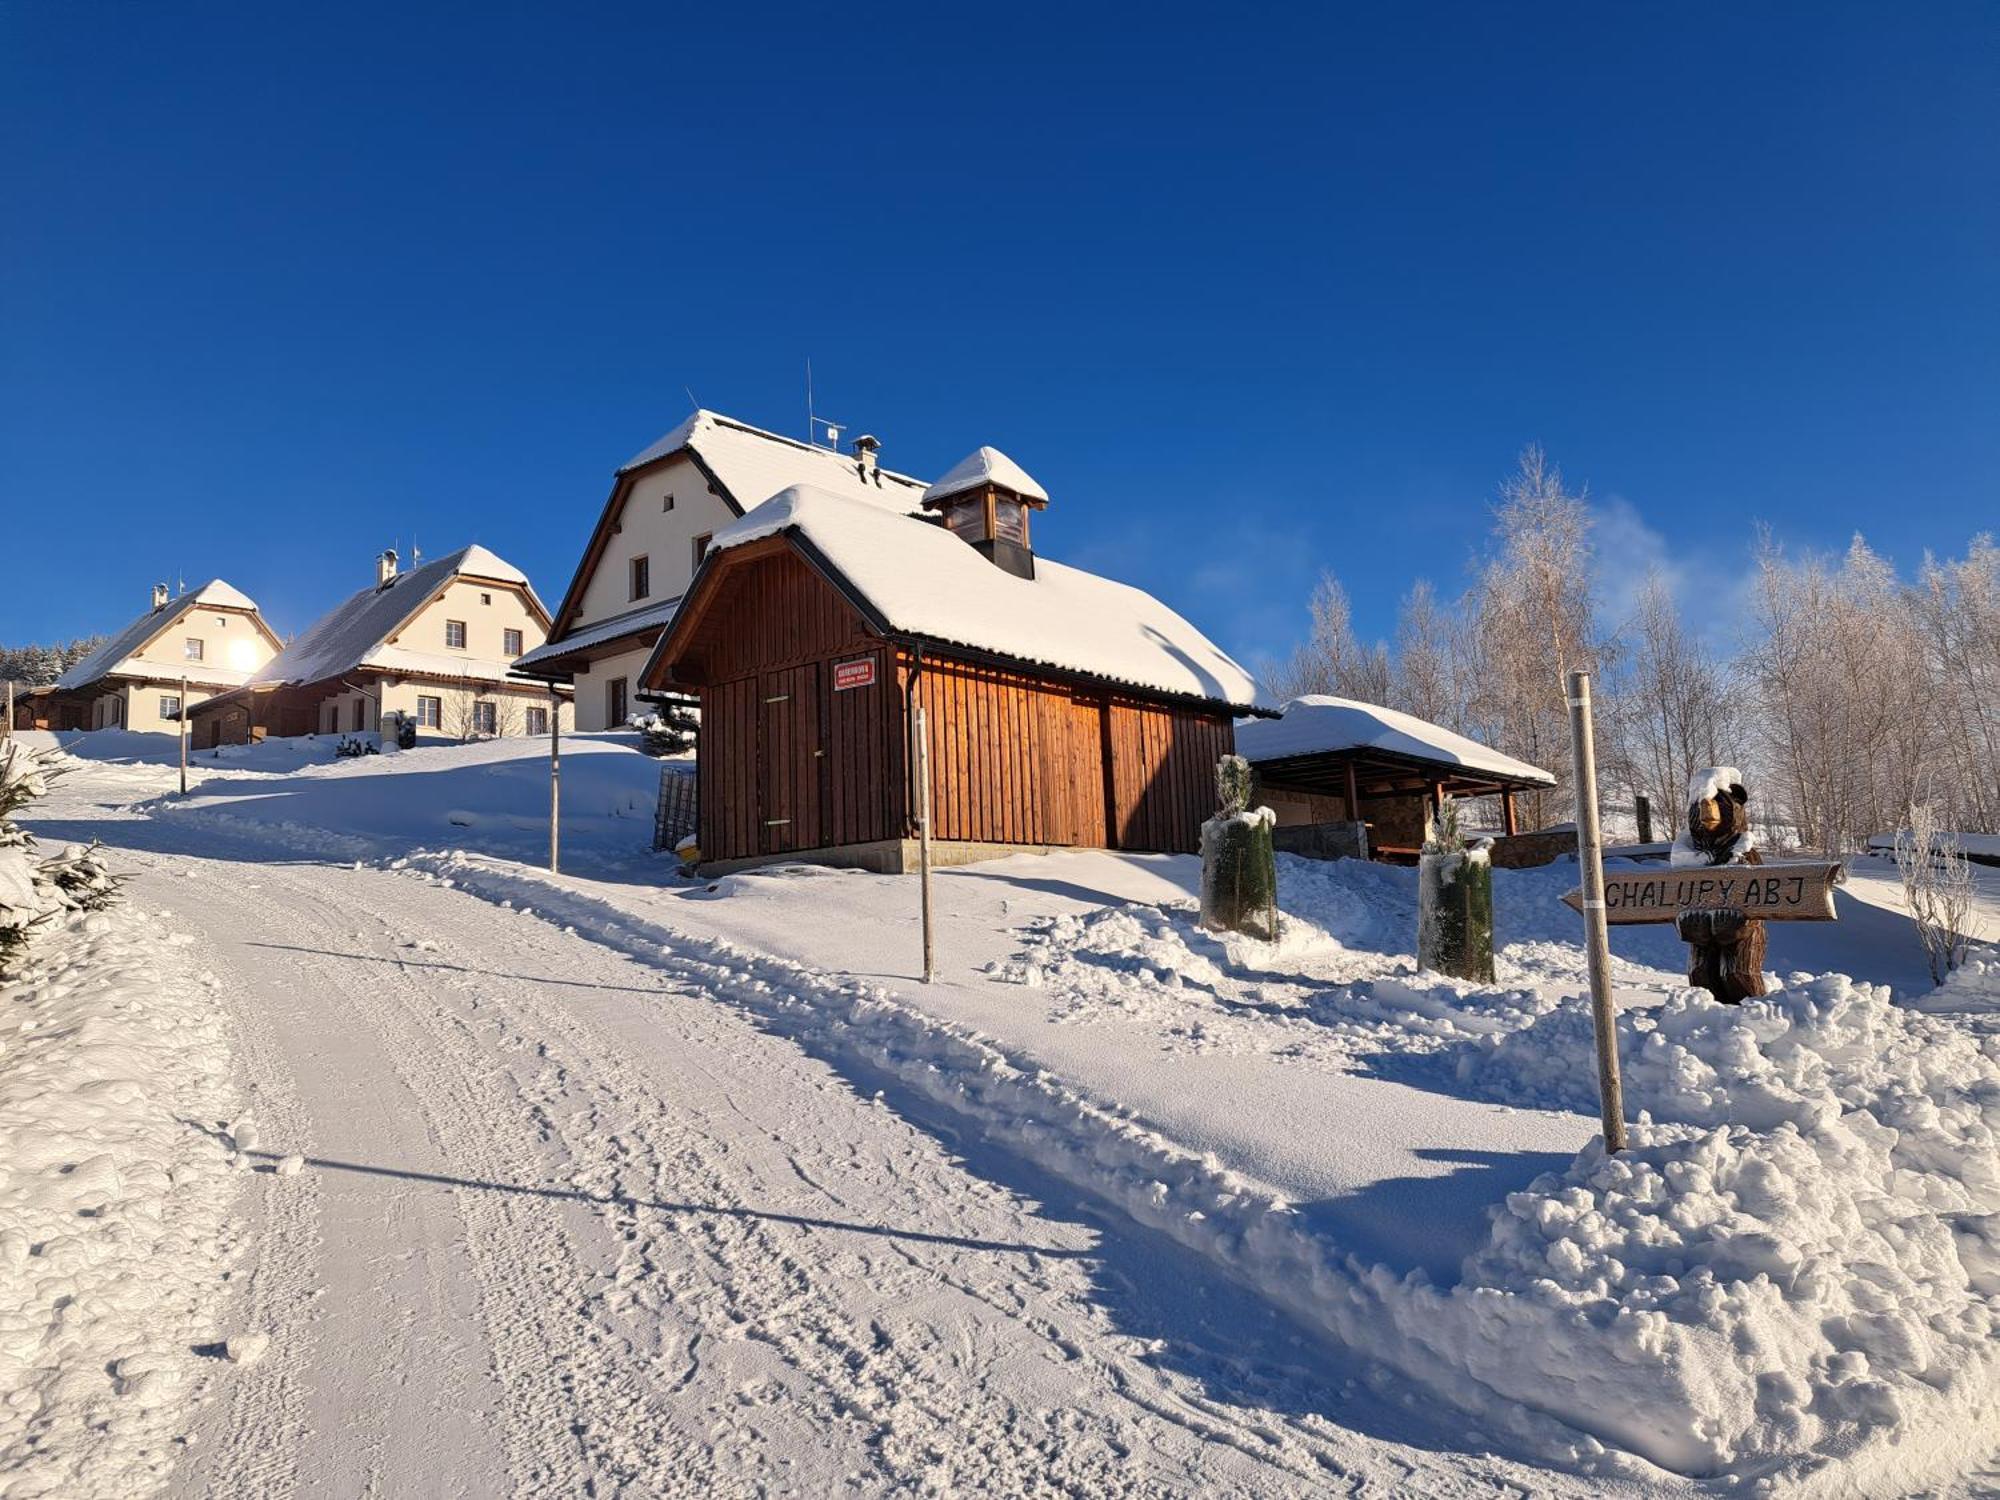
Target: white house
212,639
665,505
436,644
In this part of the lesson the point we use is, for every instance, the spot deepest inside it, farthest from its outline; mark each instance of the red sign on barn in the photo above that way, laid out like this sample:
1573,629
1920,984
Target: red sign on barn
858,673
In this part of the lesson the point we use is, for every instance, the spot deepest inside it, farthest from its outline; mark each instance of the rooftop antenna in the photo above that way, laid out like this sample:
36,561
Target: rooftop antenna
816,424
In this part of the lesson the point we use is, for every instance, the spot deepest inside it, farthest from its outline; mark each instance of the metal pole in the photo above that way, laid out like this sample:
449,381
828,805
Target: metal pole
924,841
1596,934
184,736
555,780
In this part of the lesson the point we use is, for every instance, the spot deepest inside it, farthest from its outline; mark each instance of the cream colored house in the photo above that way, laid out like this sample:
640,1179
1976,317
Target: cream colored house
436,644
212,639
664,506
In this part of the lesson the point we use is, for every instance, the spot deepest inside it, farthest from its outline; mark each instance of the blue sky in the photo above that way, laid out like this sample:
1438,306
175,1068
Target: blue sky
1251,292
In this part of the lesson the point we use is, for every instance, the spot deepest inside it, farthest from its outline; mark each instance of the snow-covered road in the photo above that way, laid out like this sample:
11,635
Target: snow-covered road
568,1225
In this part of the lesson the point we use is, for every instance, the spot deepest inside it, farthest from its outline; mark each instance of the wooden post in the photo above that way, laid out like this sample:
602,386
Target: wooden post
1645,811
1596,933
1510,819
1353,795
9,730
184,736
924,840
555,780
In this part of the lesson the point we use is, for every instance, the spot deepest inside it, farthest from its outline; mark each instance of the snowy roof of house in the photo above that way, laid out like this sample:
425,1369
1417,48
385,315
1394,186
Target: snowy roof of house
754,465
747,465
984,466
356,632
1320,724
108,658
652,617
918,579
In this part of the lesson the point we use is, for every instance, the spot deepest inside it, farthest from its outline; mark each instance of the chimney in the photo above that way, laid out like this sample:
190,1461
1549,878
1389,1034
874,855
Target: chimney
385,568
159,596
985,500
867,456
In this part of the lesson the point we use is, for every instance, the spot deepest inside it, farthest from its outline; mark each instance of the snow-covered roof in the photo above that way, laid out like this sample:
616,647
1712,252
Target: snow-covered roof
1320,723
754,465
355,633
108,658
920,580
652,617
984,466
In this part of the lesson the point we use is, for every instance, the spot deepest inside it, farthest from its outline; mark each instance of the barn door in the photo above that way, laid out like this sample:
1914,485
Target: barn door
789,756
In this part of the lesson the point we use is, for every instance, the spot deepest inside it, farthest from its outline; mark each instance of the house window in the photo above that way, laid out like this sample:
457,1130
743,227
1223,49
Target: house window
510,643
454,634
642,577
430,711
222,622
614,703
701,547
192,647
485,717
538,721
170,706
485,598
666,502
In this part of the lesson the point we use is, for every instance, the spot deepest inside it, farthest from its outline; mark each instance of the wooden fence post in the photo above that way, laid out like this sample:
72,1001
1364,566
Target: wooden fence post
924,840
1596,932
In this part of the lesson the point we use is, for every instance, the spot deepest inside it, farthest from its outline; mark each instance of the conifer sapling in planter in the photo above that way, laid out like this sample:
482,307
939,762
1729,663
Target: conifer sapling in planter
1454,901
1239,871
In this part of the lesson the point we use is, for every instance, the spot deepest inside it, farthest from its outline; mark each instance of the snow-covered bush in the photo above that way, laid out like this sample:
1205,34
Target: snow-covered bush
670,732
1937,884
35,891
25,900
352,747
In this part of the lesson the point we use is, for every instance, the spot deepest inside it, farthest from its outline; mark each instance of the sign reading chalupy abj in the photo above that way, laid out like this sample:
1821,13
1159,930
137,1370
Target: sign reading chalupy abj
1772,893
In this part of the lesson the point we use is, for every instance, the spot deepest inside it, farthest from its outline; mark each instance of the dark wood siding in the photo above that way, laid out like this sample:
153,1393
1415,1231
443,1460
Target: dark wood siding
791,758
1163,773
1014,759
789,761
728,766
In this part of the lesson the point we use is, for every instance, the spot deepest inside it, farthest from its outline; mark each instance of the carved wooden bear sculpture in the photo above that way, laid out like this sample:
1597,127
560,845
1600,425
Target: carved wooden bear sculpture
1725,948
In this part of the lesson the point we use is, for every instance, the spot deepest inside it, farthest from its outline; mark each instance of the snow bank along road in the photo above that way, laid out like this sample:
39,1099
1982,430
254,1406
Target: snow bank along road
568,1225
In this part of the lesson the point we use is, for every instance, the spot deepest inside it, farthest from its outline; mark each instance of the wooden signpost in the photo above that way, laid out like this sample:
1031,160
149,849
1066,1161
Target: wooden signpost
1769,893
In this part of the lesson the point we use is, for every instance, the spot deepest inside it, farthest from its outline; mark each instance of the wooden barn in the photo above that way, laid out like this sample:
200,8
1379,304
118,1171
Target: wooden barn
1063,709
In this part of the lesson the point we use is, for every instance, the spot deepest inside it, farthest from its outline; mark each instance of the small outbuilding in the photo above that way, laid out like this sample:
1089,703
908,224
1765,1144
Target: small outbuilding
1326,764
1063,709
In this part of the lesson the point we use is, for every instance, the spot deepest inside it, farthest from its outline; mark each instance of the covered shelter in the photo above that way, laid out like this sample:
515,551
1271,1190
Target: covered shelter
1063,709
1326,760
